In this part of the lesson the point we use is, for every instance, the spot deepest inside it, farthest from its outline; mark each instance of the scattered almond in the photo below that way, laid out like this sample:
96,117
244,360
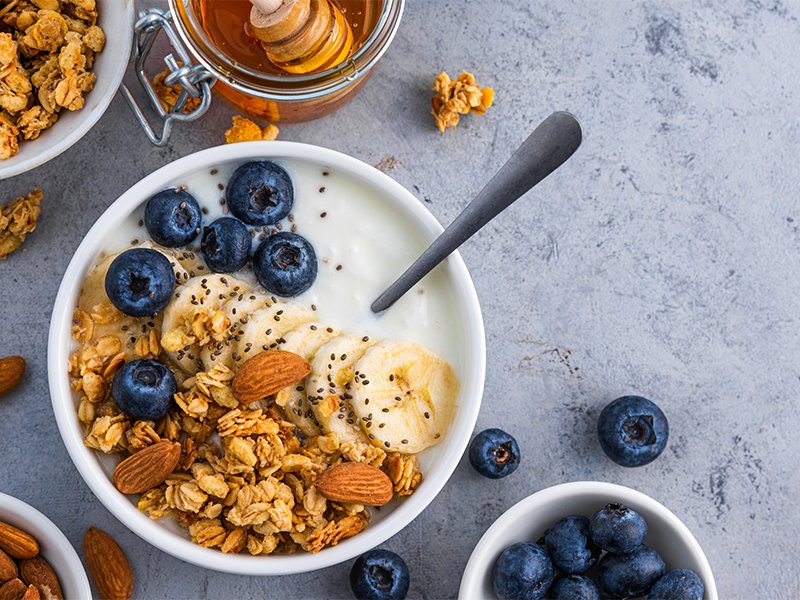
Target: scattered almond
8,568
12,590
355,483
147,468
12,370
32,593
108,565
16,542
268,373
36,571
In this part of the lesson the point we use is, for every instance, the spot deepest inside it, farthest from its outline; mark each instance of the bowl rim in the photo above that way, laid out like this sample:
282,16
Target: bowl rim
473,573
87,463
49,533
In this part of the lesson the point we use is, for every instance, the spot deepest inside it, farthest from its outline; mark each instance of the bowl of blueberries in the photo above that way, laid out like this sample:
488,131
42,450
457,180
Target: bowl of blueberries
585,541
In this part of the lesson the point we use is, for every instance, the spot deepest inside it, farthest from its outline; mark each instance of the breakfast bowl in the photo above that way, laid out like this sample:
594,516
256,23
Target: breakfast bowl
54,547
366,229
528,520
115,18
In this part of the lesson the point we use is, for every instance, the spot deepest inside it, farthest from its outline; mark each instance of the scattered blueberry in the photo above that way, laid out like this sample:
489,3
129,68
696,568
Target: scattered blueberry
285,264
631,574
570,547
494,453
140,282
379,575
143,389
574,587
617,528
172,217
260,193
680,584
522,572
632,431
226,245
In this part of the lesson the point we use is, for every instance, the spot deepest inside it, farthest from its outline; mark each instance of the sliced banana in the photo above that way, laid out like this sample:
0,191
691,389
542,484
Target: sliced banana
304,341
266,327
329,386
404,395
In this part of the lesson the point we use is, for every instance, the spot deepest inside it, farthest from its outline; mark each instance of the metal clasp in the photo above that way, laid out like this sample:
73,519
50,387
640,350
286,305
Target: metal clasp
195,81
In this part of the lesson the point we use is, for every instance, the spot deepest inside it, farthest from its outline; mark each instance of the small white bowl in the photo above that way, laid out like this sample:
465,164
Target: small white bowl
53,546
115,17
528,519
96,468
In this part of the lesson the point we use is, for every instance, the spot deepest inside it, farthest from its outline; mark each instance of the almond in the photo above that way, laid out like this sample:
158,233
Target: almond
147,468
355,483
36,571
108,565
32,593
12,370
268,373
12,590
16,542
8,568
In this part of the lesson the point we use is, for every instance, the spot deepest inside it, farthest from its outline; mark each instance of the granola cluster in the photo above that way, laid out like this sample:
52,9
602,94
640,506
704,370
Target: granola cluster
47,49
168,94
17,219
244,130
456,97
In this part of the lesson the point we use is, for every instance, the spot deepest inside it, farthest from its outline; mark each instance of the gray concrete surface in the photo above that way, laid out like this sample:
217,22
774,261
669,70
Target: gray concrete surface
661,260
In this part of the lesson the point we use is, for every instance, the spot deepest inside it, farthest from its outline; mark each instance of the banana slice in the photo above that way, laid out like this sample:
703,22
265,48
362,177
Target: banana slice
266,327
404,395
329,386
304,341
194,318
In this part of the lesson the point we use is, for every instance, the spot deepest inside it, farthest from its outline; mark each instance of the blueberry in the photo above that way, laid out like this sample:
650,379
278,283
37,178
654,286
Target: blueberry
260,193
633,431
172,217
143,389
570,547
522,572
285,264
631,574
226,245
379,575
680,584
574,587
617,528
494,453
140,282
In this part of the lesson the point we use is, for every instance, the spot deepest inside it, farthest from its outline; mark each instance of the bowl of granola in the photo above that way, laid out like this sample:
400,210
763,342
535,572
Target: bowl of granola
370,411
60,65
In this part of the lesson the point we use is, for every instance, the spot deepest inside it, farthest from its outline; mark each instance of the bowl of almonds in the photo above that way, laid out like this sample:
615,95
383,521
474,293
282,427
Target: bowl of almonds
36,559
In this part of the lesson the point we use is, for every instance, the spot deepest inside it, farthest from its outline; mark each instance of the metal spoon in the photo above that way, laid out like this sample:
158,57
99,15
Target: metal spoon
547,148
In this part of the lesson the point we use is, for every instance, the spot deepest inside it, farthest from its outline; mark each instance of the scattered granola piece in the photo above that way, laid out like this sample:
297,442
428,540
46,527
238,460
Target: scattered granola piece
17,219
169,94
458,97
244,130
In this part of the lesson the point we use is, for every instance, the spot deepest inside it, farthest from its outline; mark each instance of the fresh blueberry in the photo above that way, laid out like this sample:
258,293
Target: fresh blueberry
140,282
285,264
680,584
379,575
574,587
617,528
494,453
570,547
631,574
633,431
226,245
143,389
260,193
172,217
522,572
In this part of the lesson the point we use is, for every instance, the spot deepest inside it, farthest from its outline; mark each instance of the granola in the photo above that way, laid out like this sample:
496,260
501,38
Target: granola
17,219
168,94
456,97
244,130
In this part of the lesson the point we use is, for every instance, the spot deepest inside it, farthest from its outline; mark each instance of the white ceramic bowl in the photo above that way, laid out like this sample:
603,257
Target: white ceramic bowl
53,546
96,469
528,519
115,17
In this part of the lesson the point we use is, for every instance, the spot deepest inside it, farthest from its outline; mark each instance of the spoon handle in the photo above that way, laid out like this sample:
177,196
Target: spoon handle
547,148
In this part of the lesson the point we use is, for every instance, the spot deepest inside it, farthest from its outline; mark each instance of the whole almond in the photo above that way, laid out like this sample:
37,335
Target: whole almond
268,373
16,542
8,568
108,565
147,468
12,370
36,571
12,590
32,593
355,483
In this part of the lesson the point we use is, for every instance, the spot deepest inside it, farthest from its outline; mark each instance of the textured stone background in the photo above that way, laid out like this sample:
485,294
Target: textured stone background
660,260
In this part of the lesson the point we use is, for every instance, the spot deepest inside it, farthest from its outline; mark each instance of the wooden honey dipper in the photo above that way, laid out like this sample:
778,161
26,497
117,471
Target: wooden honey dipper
301,36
